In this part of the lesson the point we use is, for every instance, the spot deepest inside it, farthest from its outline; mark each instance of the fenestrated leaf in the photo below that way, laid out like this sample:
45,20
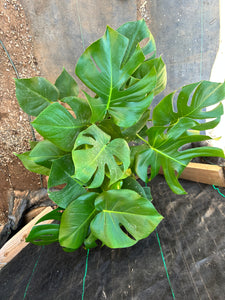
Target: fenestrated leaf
30,165
98,152
43,234
136,32
76,220
44,153
101,68
66,85
61,172
35,94
206,93
161,75
164,150
57,125
126,209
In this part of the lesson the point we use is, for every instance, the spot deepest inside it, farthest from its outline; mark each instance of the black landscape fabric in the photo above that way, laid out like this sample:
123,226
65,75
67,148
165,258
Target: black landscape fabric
193,244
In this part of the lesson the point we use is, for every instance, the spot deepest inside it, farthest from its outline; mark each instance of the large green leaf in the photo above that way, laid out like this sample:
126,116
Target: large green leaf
35,94
43,234
61,172
205,94
102,69
125,218
136,32
98,152
57,125
66,85
30,165
44,153
164,150
76,220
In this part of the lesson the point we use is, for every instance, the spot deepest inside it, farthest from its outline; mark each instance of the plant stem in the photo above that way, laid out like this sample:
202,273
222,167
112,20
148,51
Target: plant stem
141,138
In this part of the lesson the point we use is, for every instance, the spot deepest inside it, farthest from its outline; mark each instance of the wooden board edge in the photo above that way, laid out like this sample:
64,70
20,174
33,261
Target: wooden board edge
13,246
203,173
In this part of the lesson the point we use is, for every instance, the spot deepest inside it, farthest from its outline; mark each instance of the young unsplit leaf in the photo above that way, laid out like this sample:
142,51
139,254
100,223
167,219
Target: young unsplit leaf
98,152
61,172
100,68
127,209
35,94
206,94
57,125
30,165
66,85
76,220
44,153
164,150
43,234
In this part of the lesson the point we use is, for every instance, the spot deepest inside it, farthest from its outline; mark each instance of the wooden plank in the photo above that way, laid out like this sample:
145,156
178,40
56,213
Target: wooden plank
203,173
32,214
17,242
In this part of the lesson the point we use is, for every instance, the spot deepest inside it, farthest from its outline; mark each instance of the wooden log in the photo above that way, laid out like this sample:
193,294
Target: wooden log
203,173
32,214
17,242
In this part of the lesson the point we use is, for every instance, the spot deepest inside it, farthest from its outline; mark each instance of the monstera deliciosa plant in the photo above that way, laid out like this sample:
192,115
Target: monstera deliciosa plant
97,146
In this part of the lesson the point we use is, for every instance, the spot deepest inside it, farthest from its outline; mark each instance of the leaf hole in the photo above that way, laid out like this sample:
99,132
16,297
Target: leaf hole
58,187
92,177
174,102
84,147
126,232
94,62
144,42
117,160
88,135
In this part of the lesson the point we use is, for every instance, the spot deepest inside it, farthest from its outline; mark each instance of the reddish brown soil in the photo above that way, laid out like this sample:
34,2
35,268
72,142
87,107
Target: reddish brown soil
15,131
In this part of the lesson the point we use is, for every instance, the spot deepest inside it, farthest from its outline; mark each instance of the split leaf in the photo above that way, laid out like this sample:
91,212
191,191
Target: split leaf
102,69
206,93
98,152
43,234
164,151
124,218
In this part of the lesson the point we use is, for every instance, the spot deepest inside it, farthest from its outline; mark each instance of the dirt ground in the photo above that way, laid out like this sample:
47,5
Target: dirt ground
15,130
